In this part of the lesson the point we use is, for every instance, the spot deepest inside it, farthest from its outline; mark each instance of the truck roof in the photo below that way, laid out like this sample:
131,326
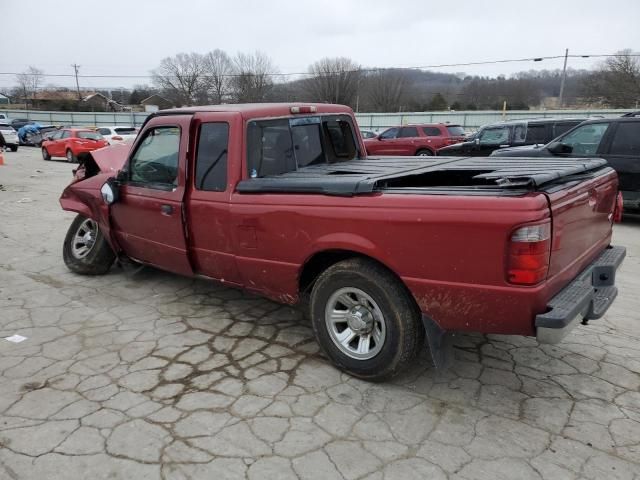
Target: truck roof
256,110
498,176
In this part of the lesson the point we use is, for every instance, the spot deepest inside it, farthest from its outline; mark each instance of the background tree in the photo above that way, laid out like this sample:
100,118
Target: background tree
253,77
617,82
182,78
139,93
28,83
334,80
385,89
218,67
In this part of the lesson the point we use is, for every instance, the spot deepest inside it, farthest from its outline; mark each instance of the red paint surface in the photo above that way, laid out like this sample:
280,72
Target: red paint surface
450,251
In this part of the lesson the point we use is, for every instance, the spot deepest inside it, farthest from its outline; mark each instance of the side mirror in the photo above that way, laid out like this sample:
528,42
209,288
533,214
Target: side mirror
559,148
476,141
110,191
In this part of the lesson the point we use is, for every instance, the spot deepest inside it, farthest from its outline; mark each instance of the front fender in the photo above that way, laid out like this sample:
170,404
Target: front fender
84,197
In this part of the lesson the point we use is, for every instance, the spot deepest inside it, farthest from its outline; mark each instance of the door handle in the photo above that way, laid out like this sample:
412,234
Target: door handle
166,209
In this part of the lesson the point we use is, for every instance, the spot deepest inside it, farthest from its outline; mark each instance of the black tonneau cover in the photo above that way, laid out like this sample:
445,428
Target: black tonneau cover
384,173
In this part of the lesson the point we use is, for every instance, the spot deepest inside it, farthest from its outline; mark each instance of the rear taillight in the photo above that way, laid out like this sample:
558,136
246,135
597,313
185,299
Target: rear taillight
617,211
116,137
528,256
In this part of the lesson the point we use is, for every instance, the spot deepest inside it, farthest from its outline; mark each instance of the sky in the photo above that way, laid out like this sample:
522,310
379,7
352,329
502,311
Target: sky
130,37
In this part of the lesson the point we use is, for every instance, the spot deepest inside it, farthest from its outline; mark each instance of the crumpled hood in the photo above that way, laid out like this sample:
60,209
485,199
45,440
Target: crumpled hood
112,158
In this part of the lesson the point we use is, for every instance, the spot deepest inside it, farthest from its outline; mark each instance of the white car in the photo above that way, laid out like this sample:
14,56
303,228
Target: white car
10,136
118,133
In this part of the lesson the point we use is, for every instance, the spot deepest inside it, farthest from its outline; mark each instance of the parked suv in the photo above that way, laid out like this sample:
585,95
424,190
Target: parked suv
511,133
409,140
617,140
10,136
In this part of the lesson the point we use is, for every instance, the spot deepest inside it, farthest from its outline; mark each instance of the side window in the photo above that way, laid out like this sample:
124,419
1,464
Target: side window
156,159
104,131
65,134
211,157
431,131
56,136
408,132
586,139
341,140
390,133
537,133
627,139
494,136
270,148
519,133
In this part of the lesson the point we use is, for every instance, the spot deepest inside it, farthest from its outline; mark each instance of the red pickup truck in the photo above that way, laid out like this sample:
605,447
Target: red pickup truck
281,200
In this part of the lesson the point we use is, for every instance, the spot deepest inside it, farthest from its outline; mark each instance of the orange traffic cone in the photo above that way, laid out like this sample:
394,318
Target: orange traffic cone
1,157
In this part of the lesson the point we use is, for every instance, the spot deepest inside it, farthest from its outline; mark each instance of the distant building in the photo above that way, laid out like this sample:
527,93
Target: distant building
69,101
4,100
155,102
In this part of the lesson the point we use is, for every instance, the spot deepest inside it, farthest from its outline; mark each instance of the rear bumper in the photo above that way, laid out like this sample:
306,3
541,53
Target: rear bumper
587,297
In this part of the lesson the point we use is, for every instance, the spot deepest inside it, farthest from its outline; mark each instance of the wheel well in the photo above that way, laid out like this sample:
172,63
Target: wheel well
424,148
319,262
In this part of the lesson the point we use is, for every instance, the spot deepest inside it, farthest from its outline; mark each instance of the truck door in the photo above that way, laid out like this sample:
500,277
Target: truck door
147,220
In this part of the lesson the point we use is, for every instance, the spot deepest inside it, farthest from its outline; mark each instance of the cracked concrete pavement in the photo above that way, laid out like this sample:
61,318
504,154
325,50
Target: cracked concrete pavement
143,374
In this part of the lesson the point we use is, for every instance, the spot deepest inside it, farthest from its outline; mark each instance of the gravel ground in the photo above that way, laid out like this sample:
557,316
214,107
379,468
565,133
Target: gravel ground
141,374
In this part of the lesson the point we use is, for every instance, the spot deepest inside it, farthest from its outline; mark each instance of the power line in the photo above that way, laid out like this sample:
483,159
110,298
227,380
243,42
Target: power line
374,69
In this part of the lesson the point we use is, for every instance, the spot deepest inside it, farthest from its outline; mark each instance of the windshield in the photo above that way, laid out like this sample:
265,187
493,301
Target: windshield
90,135
125,130
494,136
455,131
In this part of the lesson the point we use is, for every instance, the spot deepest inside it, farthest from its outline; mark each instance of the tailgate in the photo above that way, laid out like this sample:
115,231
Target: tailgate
582,216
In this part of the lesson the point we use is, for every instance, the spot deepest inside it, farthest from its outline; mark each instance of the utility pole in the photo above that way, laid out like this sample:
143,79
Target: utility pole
76,68
564,78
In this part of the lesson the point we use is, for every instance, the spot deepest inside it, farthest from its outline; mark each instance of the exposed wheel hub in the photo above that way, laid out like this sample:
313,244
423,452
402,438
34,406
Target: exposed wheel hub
360,319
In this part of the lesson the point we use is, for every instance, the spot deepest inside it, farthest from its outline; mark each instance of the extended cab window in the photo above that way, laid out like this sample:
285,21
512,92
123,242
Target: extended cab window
211,157
285,145
155,162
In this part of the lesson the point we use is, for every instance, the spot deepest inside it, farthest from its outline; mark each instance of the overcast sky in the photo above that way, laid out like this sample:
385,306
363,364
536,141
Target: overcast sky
115,37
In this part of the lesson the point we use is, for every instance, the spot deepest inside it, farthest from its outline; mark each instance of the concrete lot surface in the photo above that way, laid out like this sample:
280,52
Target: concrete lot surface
141,374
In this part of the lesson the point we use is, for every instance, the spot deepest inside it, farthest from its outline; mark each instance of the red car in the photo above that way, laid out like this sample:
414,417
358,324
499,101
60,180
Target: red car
70,142
281,200
409,140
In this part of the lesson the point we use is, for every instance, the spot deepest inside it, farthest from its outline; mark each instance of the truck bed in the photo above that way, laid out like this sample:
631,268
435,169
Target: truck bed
467,175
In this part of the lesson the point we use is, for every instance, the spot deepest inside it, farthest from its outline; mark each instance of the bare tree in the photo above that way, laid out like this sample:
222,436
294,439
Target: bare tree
29,82
182,78
253,77
385,89
218,68
617,83
334,80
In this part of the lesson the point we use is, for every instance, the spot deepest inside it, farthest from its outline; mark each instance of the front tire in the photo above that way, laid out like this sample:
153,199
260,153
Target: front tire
71,158
365,320
14,148
45,154
86,250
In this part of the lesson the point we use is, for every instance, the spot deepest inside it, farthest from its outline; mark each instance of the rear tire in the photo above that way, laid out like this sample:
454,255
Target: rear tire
71,158
14,148
45,154
85,249
365,319
424,153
